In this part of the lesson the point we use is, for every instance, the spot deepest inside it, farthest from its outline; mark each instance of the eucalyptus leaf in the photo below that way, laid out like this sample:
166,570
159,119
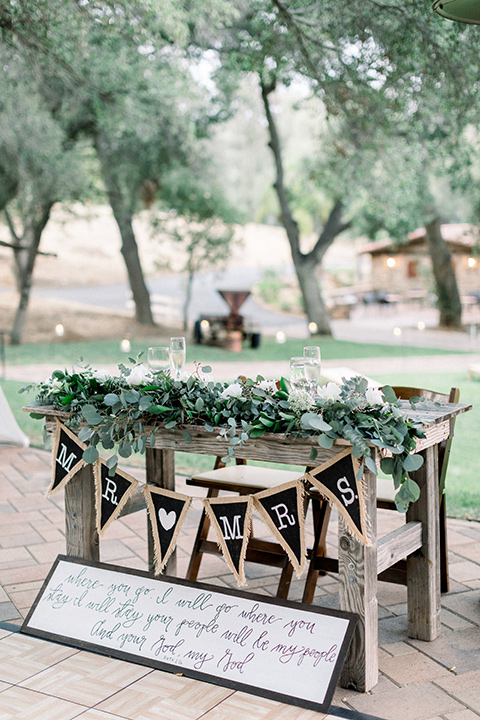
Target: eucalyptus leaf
413,462
90,454
132,396
145,402
112,461
371,464
124,449
315,422
91,415
85,433
389,394
387,465
325,441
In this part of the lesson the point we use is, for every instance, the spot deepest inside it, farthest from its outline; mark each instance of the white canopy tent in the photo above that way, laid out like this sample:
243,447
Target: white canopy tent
9,431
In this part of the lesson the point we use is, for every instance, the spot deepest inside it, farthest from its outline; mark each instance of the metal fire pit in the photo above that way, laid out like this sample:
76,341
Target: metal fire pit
226,330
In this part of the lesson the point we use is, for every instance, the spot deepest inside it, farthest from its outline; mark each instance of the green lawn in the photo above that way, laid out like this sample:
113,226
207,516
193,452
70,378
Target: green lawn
108,352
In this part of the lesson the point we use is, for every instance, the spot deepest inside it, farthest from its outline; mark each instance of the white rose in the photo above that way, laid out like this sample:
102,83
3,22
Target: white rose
234,390
56,385
331,391
374,396
269,386
139,375
102,374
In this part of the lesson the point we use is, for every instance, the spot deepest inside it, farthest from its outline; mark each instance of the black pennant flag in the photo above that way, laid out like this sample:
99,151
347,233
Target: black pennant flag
111,494
282,508
336,480
67,457
167,511
231,518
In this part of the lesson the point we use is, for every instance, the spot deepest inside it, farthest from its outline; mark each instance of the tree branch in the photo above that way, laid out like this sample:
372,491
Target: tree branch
333,227
289,222
11,227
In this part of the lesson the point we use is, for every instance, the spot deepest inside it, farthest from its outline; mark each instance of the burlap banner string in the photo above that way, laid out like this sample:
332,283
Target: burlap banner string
231,519
336,480
111,494
283,510
167,511
67,457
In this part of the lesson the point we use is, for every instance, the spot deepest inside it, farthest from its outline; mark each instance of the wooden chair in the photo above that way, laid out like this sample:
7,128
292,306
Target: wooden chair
241,479
321,564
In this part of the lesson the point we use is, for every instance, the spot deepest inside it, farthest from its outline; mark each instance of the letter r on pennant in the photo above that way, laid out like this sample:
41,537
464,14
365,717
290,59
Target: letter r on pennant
110,489
282,512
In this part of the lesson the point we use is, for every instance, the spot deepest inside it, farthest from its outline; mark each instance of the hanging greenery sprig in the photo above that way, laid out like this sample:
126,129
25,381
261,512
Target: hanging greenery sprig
121,413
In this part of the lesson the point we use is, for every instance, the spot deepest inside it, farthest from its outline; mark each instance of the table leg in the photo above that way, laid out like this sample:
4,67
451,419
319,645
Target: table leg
423,567
80,516
160,471
357,567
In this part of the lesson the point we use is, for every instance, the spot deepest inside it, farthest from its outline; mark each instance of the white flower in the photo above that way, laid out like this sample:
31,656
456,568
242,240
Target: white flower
184,376
269,386
102,374
300,401
330,392
374,396
55,385
233,390
139,375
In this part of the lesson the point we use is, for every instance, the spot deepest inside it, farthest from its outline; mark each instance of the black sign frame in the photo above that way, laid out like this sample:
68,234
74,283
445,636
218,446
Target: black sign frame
310,611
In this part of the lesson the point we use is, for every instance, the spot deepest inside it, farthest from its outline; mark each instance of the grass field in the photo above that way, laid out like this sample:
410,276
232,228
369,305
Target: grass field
463,480
108,351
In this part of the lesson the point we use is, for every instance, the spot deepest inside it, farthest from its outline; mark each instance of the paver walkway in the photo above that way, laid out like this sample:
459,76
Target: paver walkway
47,681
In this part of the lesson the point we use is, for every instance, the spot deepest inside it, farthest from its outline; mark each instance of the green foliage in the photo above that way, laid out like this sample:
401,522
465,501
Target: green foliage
125,412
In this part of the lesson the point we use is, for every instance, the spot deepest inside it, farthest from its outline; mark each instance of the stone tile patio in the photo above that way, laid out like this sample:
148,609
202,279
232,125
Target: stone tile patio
45,681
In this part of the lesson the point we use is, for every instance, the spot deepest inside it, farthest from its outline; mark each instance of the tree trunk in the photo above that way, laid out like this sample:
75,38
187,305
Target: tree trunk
129,250
449,304
31,237
312,297
305,264
20,255
121,208
188,297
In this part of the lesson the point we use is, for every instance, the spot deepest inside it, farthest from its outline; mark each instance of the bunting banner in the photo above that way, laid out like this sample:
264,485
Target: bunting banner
67,457
336,480
283,509
167,511
231,518
111,494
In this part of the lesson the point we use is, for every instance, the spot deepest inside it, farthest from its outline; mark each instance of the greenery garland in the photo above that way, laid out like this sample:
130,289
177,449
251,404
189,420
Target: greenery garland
123,412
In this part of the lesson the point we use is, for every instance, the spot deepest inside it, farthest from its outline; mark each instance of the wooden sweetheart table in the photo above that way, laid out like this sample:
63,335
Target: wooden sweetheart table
359,564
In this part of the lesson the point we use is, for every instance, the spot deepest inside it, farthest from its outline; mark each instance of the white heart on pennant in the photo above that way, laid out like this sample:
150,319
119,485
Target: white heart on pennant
167,520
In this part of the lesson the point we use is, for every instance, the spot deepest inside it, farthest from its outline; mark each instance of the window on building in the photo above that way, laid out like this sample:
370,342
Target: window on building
412,270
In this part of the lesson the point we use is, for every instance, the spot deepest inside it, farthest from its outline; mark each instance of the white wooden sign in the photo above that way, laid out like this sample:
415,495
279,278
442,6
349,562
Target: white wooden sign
287,651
